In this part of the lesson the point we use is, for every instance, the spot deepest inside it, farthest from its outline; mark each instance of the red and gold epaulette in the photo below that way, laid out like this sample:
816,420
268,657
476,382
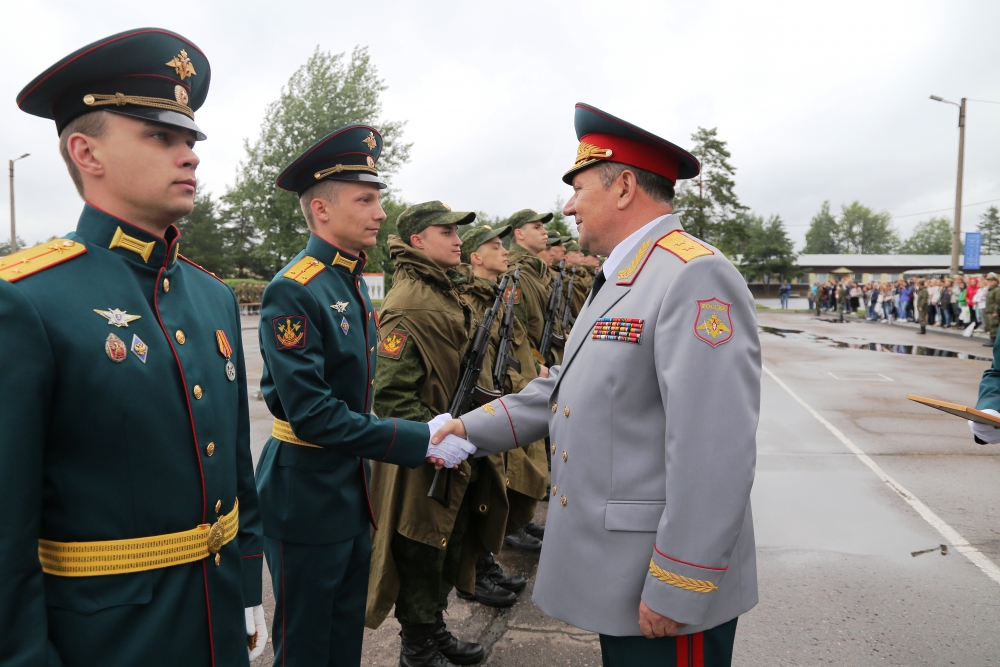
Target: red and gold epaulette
679,243
43,256
199,266
304,270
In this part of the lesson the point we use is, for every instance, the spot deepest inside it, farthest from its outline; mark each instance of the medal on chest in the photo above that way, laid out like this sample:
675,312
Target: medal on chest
226,350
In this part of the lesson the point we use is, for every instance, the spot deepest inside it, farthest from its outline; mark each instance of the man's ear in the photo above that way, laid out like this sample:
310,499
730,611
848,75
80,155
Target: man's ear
417,241
626,186
320,210
519,234
84,152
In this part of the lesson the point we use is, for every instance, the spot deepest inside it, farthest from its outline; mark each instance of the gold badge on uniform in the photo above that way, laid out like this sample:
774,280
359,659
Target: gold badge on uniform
115,348
392,345
370,141
709,324
182,65
226,350
139,349
118,318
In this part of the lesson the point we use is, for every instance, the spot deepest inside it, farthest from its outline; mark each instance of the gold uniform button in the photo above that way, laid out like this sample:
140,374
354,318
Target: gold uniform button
179,335
482,509
371,349
210,449
218,506
198,393
444,541
554,406
565,456
562,500
369,315
566,411
218,557
508,481
166,284
553,450
554,489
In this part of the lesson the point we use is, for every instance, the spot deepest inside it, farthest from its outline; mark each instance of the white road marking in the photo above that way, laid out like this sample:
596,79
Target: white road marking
989,568
861,377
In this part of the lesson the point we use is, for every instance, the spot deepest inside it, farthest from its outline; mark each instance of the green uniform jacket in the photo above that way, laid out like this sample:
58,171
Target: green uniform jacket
536,283
425,326
992,311
526,467
923,298
319,378
98,449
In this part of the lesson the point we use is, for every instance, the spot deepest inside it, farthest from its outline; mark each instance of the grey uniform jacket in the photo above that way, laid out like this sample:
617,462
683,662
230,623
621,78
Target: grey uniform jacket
652,420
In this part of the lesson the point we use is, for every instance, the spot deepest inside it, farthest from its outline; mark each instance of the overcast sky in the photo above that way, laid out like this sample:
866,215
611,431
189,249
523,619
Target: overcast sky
818,100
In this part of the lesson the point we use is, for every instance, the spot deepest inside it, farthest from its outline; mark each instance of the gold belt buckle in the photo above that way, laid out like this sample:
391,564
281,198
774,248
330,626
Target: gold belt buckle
216,535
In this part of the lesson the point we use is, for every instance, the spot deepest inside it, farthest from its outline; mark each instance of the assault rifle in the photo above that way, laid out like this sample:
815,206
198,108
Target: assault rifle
551,313
468,393
567,316
504,359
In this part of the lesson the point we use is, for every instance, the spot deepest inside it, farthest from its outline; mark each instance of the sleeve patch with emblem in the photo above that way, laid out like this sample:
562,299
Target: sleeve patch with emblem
290,331
517,295
392,345
712,323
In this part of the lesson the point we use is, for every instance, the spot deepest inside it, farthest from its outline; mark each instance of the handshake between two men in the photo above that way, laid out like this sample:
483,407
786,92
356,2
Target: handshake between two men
448,446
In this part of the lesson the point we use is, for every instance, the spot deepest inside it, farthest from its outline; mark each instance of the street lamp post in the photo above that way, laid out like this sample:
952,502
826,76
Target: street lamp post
13,225
956,234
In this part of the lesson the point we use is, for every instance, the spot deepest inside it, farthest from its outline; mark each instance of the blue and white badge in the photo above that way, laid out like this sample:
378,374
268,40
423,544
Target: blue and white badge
345,326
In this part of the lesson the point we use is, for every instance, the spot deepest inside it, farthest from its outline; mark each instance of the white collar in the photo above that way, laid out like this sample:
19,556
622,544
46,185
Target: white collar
621,251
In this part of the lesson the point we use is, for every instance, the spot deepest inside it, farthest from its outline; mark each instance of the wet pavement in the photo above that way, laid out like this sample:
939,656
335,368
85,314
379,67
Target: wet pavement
838,582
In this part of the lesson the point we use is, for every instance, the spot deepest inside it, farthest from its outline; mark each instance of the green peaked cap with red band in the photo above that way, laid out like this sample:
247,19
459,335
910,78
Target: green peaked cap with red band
605,138
147,73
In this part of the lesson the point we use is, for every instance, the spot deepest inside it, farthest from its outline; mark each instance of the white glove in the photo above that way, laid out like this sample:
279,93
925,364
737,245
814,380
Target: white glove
452,449
990,434
256,631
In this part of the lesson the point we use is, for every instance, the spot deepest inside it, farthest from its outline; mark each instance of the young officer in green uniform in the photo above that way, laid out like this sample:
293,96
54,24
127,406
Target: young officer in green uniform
417,558
130,532
318,336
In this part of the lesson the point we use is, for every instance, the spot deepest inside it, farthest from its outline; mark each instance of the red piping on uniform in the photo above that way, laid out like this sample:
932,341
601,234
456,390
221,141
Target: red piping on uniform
284,644
682,650
198,266
208,605
511,422
102,44
253,556
684,562
391,442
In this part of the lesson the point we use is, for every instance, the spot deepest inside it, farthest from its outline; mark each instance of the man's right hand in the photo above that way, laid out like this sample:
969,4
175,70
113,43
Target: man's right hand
451,427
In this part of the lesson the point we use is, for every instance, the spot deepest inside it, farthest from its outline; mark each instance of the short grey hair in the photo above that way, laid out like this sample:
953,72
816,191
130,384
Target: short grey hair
657,187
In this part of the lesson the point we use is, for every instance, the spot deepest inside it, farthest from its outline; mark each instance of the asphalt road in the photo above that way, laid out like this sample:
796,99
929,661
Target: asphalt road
852,478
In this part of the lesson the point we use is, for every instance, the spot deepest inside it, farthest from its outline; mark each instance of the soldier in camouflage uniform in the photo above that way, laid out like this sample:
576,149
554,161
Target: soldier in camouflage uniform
922,300
484,260
425,326
992,309
583,278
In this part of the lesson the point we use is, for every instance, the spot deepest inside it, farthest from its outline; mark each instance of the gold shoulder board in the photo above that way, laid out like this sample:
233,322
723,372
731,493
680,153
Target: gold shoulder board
685,247
43,256
304,270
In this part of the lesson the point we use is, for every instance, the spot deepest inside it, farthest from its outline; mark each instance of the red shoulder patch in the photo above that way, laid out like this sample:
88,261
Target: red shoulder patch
392,345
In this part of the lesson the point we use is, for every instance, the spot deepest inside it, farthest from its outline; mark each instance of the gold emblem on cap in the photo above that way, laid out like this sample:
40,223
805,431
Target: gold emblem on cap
371,161
180,95
370,141
587,152
182,65
446,207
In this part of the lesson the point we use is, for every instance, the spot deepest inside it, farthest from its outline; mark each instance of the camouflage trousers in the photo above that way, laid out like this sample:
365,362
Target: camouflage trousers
427,574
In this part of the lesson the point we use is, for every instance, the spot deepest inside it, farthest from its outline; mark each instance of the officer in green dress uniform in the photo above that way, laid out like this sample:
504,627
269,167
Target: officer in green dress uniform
318,337
130,531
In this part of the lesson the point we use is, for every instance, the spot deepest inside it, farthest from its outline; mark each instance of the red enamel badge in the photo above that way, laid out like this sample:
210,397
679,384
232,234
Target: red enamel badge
712,323
290,331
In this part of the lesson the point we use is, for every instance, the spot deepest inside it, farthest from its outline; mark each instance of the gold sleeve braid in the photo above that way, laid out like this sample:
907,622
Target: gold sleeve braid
696,585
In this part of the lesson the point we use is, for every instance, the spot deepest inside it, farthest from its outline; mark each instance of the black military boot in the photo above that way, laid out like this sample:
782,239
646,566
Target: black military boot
487,567
923,329
488,592
458,652
522,540
418,648
535,530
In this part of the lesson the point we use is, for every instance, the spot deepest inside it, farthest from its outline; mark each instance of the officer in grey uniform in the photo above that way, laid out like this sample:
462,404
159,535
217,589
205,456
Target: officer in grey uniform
652,417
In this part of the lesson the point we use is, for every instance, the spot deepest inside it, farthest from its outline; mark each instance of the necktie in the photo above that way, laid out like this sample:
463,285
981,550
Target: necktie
598,284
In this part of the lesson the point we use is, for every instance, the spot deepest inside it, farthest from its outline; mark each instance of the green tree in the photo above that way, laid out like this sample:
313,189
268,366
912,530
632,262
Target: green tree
930,237
378,256
862,231
708,202
328,92
559,223
5,246
204,238
989,225
822,237
769,252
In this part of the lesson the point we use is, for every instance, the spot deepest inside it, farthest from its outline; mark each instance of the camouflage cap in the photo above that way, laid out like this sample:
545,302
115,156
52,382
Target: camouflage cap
474,238
525,216
419,217
991,276
555,238
573,246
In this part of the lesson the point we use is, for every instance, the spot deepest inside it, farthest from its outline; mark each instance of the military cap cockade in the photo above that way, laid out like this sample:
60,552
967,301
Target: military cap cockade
148,73
348,154
526,216
604,138
554,238
419,217
473,239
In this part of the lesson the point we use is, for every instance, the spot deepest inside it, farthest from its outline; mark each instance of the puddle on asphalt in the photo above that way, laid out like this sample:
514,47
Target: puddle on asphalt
917,350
